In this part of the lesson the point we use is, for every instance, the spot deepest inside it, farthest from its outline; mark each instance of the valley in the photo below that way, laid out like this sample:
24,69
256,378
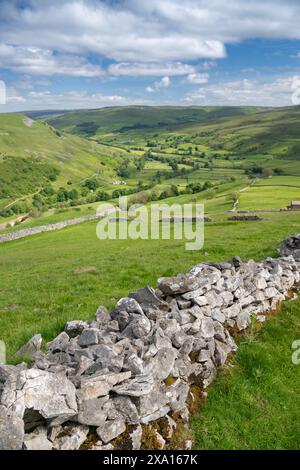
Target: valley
235,161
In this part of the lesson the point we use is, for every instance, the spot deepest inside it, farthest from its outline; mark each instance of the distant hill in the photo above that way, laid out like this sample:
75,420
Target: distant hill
138,118
269,132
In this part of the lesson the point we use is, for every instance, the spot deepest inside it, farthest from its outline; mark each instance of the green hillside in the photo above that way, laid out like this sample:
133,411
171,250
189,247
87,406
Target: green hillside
141,118
275,132
33,154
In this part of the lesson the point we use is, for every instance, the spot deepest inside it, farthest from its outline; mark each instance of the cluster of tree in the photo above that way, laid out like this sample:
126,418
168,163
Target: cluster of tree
256,171
193,188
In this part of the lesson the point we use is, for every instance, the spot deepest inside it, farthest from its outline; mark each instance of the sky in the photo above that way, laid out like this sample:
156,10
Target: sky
72,54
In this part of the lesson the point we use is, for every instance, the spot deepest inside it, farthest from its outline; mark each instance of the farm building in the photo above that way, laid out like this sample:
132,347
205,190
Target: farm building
295,205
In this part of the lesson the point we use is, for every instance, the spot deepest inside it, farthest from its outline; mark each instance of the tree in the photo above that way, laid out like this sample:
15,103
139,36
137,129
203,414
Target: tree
174,190
232,197
102,196
73,194
91,184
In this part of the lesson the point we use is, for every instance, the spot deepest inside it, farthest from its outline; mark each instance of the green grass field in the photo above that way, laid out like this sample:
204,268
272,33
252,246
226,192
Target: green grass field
53,277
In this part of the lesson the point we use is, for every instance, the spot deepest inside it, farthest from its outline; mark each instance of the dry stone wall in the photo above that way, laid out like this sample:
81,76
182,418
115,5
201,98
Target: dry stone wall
27,232
129,378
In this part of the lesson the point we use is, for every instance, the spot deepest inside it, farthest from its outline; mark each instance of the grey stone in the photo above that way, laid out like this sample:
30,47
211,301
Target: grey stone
179,284
75,327
92,412
31,347
221,352
59,343
179,338
89,337
243,320
218,315
40,361
207,328
140,385
100,385
270,292
156,415
11,430
136,438
83,365
134,364
170,428
38,440
182,316
74,436
214,299
50,396
102,316
148,300
128,305
125,406
204,355
111,429
183,304
160,339
192,296
107,358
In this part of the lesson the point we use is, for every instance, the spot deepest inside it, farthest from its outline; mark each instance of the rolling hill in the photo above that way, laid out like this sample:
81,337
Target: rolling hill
141,118
33,153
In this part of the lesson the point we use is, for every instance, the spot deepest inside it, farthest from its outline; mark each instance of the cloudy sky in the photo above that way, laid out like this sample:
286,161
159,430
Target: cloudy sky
64,54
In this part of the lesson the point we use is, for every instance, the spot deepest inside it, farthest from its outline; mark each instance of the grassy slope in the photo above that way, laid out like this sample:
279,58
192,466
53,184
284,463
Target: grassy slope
75,157
123,118
274,132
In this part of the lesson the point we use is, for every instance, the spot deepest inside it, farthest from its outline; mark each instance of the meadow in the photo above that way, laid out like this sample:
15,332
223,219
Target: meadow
50,278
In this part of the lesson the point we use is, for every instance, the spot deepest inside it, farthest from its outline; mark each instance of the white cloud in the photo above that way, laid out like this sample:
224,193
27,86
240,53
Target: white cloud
197,78
144,69
56,36
35,61
276,92
165,82
33,100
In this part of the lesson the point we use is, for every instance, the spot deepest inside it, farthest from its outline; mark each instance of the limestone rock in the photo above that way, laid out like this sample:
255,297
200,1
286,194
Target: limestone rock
73,437
88,337
136,438
11,430
75,327
178,285
100,385
140,385
92,412
38,440
31,347
111,429
59,343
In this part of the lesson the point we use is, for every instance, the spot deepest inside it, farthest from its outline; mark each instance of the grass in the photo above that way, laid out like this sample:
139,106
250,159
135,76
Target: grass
74,157
40,292
53,277
255,405
268,197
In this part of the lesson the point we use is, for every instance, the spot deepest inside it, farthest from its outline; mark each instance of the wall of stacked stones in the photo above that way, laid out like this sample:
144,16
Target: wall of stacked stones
129,378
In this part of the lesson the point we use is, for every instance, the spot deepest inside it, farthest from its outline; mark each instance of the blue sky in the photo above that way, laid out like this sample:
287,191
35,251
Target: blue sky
89,53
